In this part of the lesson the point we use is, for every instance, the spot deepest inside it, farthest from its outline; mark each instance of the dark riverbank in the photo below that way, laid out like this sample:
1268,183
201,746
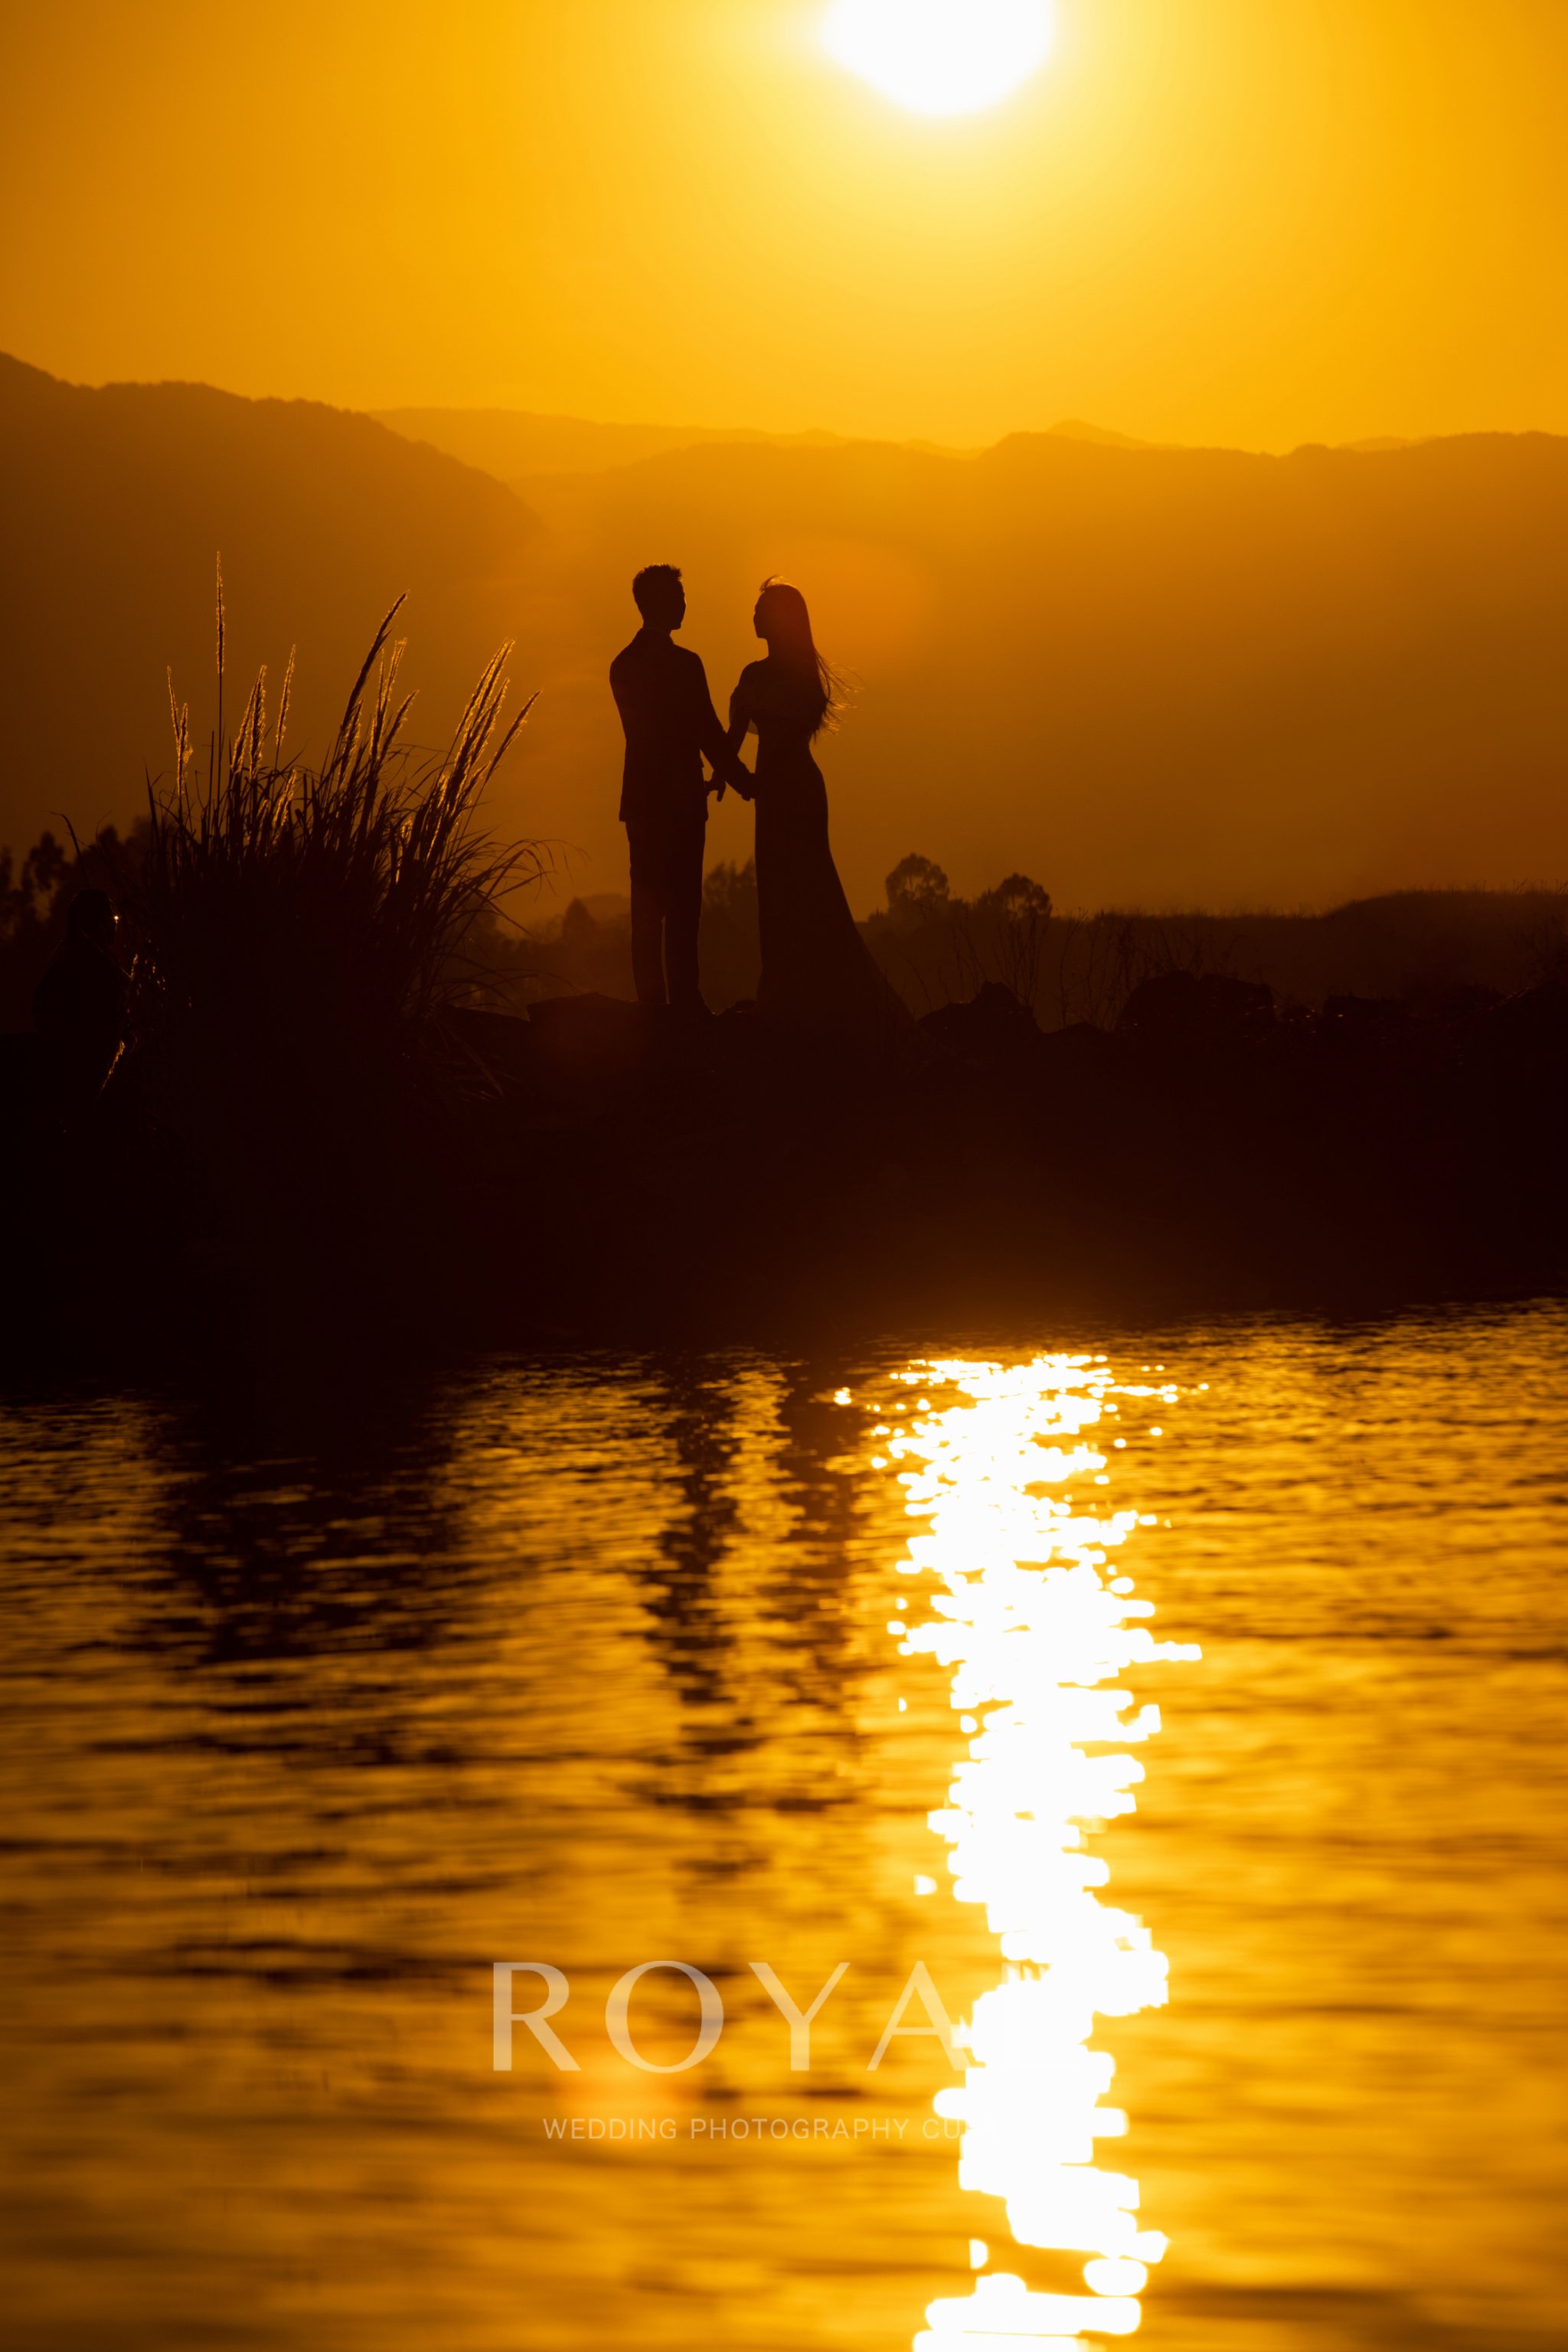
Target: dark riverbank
567,1176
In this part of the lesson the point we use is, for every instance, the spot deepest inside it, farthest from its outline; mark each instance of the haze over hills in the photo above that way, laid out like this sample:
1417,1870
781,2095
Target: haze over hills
1144,675
511,443
516,444
115,503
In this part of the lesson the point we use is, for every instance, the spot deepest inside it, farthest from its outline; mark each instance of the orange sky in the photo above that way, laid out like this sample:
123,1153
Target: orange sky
1250,221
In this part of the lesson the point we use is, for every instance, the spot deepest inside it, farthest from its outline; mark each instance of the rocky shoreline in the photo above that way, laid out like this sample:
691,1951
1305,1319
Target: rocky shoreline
576,1179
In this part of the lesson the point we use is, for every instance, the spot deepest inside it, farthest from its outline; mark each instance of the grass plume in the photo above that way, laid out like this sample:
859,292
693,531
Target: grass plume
297,927
354,882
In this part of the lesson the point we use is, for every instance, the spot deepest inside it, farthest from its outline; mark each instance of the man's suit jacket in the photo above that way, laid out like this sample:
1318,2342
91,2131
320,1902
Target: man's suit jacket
661,693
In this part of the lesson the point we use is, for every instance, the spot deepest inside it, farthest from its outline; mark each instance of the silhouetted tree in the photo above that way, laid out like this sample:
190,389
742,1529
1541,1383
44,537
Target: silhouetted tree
1016,901
577,927
917,893
1008,935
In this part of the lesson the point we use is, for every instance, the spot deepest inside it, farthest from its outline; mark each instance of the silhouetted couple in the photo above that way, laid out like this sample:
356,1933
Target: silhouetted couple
816,969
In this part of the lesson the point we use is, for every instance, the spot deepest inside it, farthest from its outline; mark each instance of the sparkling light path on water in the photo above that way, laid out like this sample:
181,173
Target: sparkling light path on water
1026,1611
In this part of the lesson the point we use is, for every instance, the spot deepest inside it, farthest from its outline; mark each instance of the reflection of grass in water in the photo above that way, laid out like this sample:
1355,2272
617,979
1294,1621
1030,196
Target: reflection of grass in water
298,926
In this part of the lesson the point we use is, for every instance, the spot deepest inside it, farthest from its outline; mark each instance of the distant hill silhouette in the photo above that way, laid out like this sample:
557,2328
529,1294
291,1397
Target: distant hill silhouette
1154,676
512,443
115,502
1073,428
515,444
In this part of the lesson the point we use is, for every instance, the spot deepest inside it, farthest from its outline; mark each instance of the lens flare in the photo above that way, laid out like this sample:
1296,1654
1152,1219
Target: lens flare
941,57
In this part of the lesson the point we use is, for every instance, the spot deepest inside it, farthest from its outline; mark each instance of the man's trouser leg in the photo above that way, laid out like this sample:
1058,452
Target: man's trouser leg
682,914
648,917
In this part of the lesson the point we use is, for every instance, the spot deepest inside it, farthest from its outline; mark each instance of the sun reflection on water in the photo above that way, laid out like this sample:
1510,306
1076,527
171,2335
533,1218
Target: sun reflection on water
1034,1625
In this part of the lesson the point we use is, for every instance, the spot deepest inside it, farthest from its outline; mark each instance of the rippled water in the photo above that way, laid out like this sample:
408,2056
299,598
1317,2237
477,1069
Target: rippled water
1184,1716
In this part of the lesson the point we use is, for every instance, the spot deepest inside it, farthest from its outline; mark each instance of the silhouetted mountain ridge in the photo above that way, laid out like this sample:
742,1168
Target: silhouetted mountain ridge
117,500
515,444
1154,676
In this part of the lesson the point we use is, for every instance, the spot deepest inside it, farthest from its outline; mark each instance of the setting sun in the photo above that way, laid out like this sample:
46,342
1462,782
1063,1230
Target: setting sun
941,57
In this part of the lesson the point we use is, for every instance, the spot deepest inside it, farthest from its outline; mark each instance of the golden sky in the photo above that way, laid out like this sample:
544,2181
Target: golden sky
1250,221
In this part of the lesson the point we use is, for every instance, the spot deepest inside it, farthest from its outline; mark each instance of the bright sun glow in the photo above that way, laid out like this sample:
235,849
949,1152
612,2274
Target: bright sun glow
941,57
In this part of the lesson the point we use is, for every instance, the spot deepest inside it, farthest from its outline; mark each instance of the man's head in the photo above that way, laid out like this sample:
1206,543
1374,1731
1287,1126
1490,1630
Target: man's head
659,597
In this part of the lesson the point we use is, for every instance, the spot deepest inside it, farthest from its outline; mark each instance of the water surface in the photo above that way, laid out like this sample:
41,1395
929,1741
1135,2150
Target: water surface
1187,1708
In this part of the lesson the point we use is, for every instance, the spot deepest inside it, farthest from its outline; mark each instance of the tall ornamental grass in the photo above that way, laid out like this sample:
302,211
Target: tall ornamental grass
297,927
334,898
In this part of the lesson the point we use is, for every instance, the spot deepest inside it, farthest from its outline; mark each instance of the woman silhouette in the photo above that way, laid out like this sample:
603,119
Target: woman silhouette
816,969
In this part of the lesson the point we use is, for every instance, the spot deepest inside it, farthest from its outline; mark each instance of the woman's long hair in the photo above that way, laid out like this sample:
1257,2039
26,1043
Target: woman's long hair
784,621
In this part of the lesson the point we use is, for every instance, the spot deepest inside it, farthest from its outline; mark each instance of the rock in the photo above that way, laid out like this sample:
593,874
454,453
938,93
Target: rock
1536,1019
1468,1001
588,1032
1080,1051
1196,1004
1350,1018
503,1046
1364,1010
992,1027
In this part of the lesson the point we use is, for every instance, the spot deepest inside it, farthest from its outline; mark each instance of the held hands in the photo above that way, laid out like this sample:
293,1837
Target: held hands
725,768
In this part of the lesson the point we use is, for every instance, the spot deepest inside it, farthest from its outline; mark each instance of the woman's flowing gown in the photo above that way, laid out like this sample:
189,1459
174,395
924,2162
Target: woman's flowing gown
818,970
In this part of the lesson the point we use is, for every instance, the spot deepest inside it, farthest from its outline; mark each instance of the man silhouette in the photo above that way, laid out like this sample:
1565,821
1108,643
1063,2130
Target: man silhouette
671,726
